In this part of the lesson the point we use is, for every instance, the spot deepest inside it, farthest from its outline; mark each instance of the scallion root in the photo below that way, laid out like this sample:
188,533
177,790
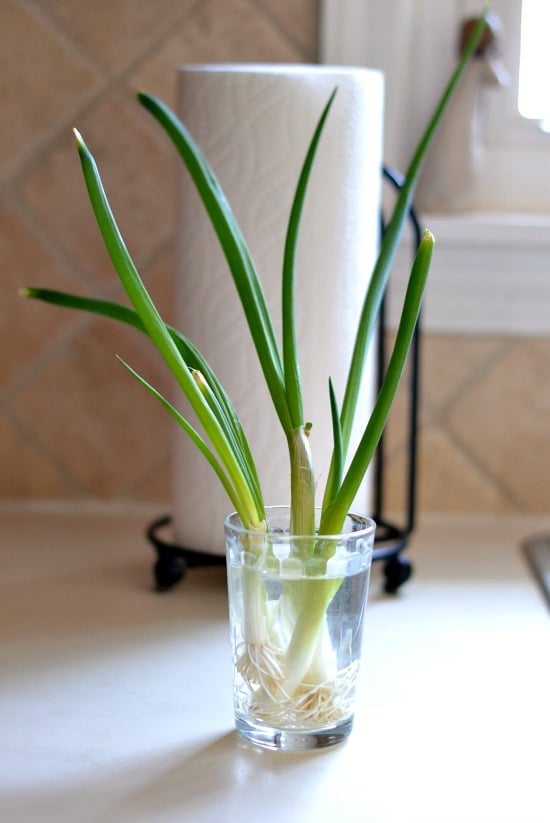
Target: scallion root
264,692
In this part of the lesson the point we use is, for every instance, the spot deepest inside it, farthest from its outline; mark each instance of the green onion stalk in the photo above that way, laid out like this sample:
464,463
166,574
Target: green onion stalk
279,668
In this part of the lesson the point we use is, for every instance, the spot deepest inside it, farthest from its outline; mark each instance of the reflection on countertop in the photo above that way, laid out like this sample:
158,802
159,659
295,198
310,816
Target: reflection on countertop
115,700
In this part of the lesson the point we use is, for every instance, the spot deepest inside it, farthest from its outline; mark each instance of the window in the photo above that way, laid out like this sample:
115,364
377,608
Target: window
492,260
514,168
414,42
534,63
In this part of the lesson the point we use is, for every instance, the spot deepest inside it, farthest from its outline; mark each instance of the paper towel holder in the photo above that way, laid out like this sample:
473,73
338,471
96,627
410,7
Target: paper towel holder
391,540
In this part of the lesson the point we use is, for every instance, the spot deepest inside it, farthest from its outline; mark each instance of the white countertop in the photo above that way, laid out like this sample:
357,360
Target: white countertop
115,701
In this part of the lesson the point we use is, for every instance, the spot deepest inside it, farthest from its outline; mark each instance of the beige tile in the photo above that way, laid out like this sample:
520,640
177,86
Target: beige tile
113,33
83,417
156,487
450,362
160,278
215,31
504,419
136,164
104,429
299,20
25,471
449,481
395,488
27,328
42,80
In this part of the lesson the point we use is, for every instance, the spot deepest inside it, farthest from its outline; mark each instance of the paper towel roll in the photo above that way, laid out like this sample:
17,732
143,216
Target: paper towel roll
254,124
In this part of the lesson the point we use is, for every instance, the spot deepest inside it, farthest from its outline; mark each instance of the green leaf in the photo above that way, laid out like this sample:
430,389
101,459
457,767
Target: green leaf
290,347
234,434
390,242
235,250
189,352
157,329
336,511
192,433
338,450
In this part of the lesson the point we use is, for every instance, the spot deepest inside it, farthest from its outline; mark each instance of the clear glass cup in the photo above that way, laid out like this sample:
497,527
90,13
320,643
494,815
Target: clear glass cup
296,608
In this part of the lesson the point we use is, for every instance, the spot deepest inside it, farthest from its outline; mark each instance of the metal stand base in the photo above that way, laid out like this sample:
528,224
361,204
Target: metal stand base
173,561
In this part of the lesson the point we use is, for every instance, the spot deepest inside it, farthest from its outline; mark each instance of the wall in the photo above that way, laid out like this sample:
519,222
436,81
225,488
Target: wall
73,426
484,444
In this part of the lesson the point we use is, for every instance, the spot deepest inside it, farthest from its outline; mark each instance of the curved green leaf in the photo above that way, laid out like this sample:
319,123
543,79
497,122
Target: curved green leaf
193,434
189,352
390,242
290,346
235,249
156,328
336,511
338,449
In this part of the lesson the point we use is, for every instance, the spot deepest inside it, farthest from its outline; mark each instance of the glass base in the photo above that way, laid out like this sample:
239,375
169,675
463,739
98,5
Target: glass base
293,740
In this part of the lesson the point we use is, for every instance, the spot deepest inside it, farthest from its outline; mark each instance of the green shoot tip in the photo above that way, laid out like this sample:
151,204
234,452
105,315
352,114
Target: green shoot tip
142,97
81,145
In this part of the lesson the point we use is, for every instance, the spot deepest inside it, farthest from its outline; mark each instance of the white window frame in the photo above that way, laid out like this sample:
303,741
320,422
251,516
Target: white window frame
505,126
492,269
516,157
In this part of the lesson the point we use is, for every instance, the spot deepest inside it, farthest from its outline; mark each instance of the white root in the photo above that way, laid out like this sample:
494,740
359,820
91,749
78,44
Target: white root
284,683
266,691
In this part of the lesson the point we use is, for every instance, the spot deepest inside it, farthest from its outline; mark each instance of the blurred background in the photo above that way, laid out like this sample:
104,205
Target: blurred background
73,426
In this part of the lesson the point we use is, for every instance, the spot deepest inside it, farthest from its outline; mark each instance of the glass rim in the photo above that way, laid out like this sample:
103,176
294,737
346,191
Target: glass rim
365,531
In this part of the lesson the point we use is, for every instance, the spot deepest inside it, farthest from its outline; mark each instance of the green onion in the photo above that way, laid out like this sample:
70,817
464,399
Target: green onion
220,437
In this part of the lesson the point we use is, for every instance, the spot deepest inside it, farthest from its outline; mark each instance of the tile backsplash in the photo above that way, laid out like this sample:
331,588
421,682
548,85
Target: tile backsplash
72,426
